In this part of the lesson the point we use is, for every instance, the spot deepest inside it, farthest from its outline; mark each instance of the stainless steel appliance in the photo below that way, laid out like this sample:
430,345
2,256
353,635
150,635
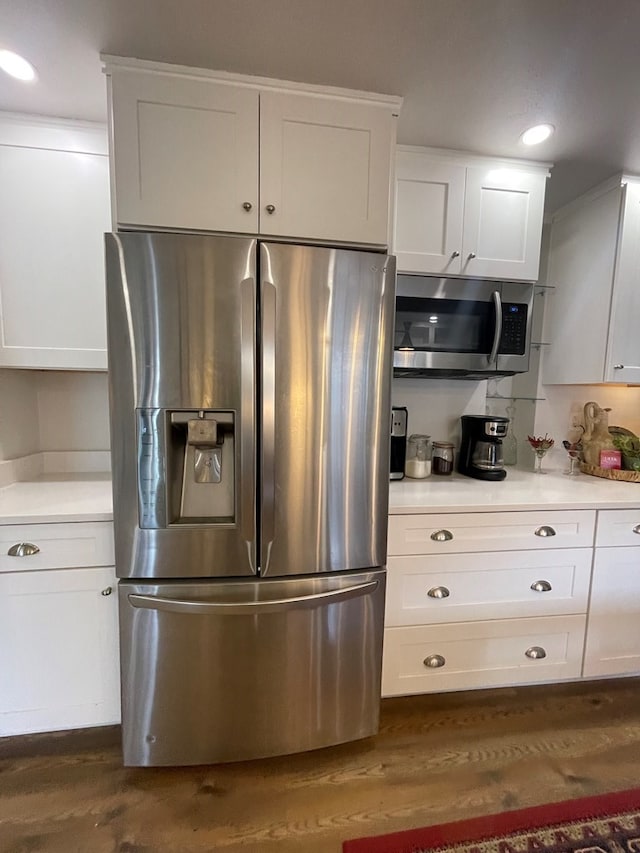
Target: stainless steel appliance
461,328
481,447
399,415
250,399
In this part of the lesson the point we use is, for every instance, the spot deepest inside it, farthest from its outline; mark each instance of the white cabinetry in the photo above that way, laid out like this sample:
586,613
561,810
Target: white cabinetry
58,629
213,152
467,216
613,632
485,599
594,266
54,210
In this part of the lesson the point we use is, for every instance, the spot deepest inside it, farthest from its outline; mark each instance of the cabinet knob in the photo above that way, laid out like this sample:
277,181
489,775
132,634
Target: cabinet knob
434,661
442,536
270,208
247,205
107,590
471,256
23,549
455,254
618,366
545,530
536,653
439,592
636,529
541,586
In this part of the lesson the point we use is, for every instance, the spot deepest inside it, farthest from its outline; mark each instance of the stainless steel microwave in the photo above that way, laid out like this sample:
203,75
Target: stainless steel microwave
461,327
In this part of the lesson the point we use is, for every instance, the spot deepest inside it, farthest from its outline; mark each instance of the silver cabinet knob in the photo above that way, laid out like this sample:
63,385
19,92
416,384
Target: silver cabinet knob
442,536
636,529
545,530
270,208
247,205
541,586
455,254
618,366
439,592
434,661
23,549
107,590
536,653
471,256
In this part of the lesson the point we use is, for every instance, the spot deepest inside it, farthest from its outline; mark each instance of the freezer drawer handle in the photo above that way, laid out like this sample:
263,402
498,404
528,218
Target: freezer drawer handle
224,608
23,549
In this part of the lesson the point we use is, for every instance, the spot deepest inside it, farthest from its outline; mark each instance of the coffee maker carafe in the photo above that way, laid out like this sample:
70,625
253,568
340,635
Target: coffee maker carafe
481,447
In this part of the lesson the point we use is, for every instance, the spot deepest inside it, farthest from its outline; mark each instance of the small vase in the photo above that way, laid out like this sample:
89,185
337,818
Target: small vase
540,454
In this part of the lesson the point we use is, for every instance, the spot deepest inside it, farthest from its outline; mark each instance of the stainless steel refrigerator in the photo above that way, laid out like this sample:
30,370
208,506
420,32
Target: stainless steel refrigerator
250,409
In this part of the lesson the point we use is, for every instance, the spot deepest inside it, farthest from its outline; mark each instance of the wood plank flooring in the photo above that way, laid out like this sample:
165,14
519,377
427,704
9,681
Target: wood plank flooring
436,759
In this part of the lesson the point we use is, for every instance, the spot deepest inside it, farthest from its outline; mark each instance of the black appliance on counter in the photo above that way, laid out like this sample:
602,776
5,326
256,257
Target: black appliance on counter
481,447
398,441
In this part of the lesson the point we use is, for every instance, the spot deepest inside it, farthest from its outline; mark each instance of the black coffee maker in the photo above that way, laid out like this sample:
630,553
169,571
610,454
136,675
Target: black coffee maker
481,447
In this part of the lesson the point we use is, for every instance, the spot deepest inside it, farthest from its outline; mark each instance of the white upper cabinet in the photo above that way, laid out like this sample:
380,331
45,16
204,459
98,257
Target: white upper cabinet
218,152
54,210
594,267
468,216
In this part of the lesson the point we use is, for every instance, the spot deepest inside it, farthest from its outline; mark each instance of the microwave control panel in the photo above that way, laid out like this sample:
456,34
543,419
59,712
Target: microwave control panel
514,329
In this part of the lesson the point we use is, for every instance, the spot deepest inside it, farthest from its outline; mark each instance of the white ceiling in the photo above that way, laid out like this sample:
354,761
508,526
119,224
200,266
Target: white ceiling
474,73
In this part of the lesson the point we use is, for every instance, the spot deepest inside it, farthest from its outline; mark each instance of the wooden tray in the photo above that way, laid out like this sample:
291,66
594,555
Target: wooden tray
610,473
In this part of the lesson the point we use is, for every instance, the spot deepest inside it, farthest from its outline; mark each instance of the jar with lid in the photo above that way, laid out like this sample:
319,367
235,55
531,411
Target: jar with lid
442,458
418,461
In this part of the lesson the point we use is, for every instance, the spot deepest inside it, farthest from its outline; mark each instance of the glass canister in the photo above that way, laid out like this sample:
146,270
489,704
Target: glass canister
442,458
418,461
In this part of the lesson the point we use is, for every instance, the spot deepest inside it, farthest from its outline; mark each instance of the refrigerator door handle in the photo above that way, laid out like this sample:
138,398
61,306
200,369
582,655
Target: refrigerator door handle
268,419
230,608
247,479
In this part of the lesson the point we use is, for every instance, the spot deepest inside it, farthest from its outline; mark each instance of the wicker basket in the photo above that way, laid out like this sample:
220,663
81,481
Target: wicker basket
610,473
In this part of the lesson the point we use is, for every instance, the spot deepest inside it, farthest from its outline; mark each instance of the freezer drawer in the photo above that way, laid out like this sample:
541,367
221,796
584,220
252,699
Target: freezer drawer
223,671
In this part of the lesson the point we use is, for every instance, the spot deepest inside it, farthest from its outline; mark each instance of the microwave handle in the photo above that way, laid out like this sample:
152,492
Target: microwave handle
497,303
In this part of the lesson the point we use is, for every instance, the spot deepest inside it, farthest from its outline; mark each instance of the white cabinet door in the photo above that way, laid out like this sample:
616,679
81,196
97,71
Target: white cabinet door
429,208
54,210
502,222
324,168
59,665
185,152
613,628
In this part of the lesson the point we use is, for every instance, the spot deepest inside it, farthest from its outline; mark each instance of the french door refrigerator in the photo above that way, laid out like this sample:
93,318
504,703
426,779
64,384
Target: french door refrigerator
250,409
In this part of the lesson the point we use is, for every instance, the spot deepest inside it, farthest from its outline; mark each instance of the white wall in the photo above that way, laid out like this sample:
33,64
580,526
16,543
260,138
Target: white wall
73,410
19,427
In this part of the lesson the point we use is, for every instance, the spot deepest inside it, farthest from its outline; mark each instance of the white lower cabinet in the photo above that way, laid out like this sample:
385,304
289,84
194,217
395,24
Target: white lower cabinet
486,599
59,660
613,628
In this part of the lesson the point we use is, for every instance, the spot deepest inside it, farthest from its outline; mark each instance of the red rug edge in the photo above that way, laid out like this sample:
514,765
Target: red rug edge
481,828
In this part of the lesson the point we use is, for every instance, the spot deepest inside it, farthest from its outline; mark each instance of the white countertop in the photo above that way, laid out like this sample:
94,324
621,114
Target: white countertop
57,498
521,490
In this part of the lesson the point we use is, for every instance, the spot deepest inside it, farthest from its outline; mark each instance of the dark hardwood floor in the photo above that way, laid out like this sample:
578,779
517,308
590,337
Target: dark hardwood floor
436,759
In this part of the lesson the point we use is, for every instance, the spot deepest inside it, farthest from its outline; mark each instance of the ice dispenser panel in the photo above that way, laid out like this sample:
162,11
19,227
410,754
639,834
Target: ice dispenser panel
187,467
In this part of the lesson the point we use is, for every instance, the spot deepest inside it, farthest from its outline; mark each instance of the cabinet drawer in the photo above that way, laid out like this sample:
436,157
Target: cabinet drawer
60,546
493,585
490,531
618,527
481,654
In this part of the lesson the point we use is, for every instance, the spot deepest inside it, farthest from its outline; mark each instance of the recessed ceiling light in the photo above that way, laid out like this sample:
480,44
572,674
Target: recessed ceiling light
17,66
537,134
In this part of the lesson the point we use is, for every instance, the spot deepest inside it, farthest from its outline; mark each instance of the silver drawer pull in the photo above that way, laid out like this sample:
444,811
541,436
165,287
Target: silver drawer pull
636,529
536,653
545,530
107,590
434,661
442,536
439,592
23,549
541,586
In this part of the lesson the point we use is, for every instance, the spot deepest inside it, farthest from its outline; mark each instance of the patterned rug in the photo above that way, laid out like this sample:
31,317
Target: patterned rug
609,823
